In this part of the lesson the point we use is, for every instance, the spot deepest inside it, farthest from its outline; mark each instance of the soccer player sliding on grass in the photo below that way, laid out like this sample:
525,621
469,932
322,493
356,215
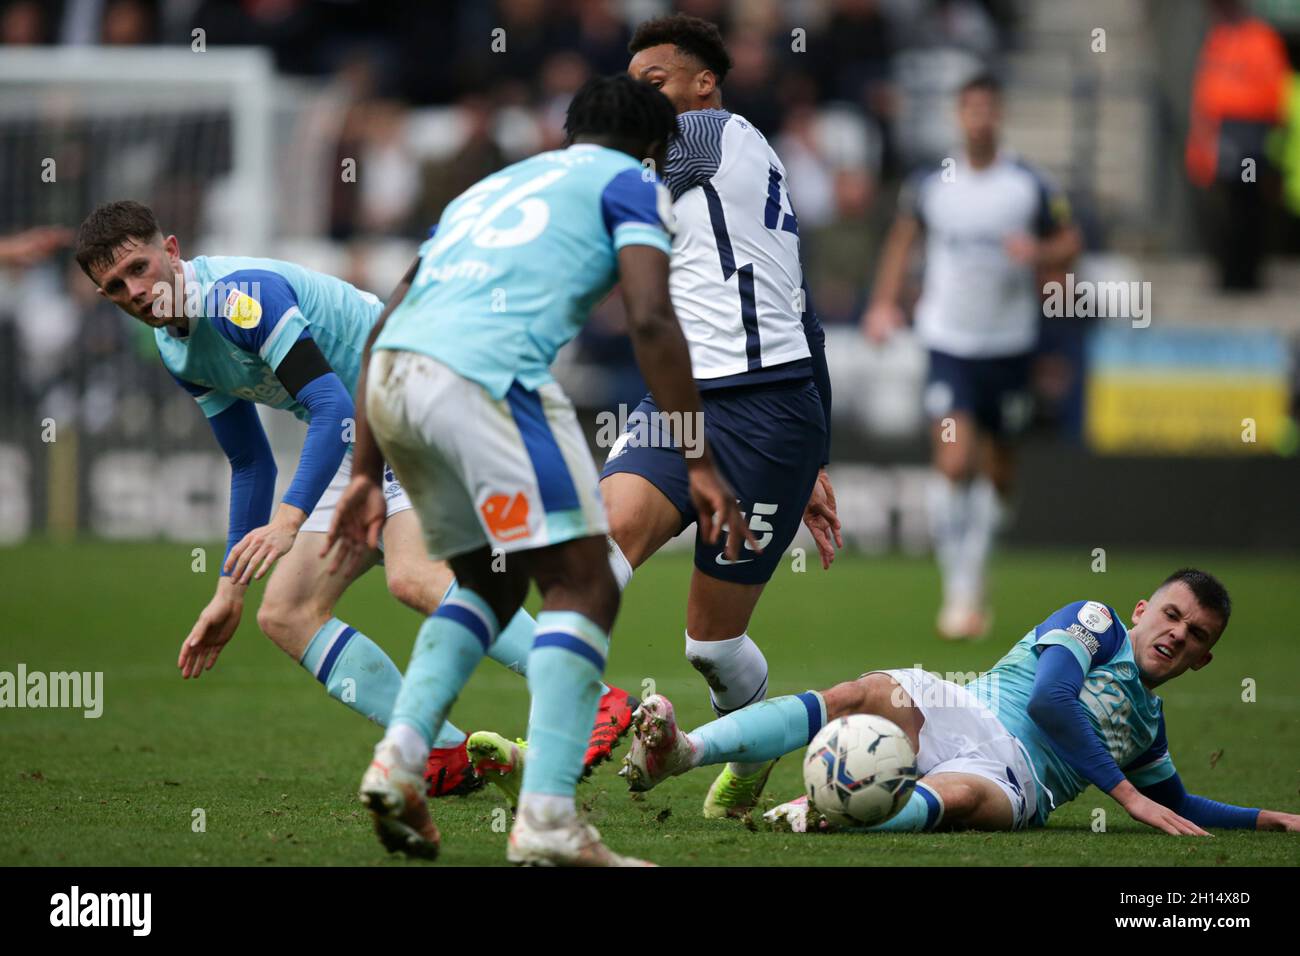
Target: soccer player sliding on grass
1070,704
459,396
235,332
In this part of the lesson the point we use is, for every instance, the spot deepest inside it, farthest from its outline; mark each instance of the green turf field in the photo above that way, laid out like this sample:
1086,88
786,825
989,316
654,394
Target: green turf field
274,763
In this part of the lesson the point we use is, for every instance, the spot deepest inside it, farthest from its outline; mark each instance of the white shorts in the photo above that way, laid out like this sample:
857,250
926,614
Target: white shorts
961,735
513,473
323,513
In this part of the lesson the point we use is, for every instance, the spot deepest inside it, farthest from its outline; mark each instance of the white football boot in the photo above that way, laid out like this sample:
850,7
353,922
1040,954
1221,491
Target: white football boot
571,843
659,748
395,798
796,816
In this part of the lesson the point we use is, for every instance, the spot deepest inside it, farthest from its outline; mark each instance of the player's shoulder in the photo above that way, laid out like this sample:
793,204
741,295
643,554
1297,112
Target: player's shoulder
1020,167
1092,623
708,122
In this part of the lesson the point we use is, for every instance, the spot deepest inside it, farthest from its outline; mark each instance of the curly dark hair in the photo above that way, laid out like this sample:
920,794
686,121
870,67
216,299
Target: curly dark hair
621,107
693,36
110,227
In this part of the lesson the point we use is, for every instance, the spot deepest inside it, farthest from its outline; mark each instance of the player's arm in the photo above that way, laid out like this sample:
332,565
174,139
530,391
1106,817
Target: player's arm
885,314
1056,240
1154,776
361,510
820,514
1067,648
665,362
258,312
238,431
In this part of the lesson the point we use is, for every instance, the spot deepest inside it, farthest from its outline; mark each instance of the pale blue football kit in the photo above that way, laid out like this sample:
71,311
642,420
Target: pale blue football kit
461,399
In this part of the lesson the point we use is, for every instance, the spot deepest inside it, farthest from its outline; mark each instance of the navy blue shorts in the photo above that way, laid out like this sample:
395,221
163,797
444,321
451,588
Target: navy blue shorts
768,442
994,391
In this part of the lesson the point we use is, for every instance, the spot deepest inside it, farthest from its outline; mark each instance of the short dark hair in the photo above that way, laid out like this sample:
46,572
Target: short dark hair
698,38
110,227
622,108
981,81
1206,588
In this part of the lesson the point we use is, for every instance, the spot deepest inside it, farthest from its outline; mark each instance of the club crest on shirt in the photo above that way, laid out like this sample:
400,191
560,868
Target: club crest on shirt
1095,617
242,309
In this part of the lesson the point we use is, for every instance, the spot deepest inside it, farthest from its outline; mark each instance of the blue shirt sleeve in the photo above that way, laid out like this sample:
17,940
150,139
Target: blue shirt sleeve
258,311
695,153
1202,811
252,469
322,452
1087,629
1054,706
637,211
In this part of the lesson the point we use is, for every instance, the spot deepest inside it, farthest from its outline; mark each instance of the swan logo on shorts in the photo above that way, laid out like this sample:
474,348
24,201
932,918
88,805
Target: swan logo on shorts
506,516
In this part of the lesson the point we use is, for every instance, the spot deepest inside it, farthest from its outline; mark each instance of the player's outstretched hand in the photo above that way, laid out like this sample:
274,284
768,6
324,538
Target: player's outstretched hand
1145,810
211,632
822,519
358,518
881,321
1278,821
716,508
253,556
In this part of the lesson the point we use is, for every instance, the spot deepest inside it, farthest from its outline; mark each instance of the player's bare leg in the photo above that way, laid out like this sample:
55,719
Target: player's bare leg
413,577
955,454
876,693
301,594
971,802
641,518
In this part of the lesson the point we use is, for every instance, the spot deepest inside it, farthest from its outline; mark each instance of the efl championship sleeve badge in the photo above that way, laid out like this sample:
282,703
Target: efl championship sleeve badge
242,309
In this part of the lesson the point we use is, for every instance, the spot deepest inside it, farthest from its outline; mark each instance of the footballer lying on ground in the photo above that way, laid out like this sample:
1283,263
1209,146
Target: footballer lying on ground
237,331
1070,704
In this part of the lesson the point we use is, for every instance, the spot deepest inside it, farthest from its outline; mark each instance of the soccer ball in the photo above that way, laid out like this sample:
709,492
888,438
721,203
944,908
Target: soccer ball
859,770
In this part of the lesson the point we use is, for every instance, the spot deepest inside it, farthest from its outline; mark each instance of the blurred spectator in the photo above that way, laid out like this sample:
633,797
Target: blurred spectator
1237,97
129,23
23,24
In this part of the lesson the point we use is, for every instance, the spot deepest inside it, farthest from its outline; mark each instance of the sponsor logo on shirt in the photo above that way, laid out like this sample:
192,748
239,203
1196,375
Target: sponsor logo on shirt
242,309
1084,637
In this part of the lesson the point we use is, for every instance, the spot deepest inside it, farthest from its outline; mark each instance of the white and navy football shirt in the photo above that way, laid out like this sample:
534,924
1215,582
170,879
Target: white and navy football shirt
736,278
976,301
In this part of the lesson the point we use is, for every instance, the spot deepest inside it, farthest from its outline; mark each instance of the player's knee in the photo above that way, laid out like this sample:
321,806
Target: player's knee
412,590
960,798
283,622
880,694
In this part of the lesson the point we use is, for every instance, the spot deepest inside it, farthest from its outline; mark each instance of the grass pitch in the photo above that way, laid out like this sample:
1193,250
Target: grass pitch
273,764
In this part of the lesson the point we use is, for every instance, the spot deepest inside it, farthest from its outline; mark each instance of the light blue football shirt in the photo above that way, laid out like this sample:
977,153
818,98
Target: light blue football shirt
1124,713
253,311
520,258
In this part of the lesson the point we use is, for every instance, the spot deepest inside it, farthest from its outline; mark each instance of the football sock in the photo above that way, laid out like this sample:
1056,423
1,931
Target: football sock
450,644
948,507
762,731
514,643
736,672
619,564
564,671
356,671
985,517
923,811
